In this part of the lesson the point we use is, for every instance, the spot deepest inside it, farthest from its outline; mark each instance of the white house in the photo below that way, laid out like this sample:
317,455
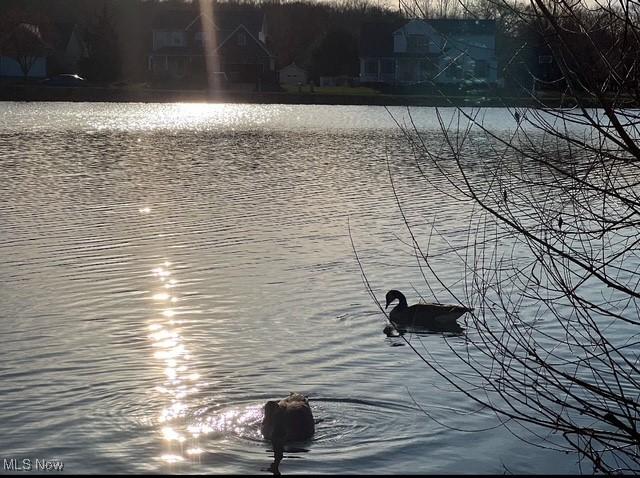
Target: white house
292,75
439,51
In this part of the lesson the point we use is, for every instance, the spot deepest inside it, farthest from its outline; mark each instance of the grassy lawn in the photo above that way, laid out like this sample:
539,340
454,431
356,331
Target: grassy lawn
332,90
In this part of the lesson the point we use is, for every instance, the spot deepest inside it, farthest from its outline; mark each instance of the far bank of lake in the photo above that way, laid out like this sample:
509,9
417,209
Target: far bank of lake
304,97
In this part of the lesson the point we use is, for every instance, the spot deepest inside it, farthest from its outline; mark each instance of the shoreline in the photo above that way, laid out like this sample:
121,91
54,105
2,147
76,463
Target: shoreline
28,93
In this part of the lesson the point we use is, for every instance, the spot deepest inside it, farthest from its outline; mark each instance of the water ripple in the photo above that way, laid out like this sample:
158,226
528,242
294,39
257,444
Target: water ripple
169,268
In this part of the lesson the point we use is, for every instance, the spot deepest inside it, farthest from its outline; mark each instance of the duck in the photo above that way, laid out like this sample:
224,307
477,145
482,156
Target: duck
435,317
289,419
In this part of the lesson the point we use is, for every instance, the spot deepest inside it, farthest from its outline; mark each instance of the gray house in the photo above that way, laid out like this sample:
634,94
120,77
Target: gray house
438,51
188,47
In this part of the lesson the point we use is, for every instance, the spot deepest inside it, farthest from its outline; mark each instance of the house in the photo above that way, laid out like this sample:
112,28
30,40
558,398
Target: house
292,74
176,49
23,52
437,51
191,48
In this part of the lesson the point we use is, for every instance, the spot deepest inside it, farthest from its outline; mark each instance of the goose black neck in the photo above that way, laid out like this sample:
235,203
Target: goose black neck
402,301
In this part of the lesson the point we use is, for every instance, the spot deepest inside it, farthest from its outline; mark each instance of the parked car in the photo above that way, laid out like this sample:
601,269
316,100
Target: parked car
64,80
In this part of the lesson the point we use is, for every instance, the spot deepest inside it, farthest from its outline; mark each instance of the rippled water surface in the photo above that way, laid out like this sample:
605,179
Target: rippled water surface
166,269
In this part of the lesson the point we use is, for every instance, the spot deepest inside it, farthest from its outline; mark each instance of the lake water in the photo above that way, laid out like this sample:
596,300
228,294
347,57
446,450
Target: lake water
166,269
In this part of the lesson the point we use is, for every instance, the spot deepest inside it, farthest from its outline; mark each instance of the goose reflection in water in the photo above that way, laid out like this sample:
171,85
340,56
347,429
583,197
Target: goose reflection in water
395,331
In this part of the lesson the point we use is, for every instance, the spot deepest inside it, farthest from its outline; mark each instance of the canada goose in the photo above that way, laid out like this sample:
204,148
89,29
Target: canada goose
435,317
290,419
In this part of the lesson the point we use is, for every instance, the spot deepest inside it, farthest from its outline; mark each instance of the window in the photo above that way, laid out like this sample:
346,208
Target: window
545,59
417,43
371,67
177,39
242,38
166,38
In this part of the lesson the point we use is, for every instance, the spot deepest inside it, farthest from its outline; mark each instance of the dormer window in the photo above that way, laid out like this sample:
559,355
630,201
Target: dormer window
242,39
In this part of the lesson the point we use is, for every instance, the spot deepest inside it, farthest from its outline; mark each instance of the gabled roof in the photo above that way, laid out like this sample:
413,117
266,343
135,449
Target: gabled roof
198,22
467,26
416,25
293,66
376,39
229,20
226,37
225,21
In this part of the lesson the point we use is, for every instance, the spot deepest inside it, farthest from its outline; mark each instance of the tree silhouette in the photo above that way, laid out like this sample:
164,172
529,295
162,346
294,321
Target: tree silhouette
25,37
551,264
336,54
104,60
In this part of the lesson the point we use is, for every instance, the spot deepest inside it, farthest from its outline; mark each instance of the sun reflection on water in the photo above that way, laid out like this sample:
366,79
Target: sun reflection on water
194,451
180,381
235,421
171,459
181,428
